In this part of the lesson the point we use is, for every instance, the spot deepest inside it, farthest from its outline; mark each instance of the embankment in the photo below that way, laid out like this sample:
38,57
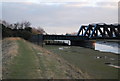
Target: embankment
24,60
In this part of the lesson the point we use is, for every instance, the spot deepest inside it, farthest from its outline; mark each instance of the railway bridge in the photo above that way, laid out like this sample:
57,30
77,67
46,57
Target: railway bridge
86,35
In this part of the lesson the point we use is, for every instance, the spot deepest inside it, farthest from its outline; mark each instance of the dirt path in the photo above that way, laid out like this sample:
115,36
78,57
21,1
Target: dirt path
33,62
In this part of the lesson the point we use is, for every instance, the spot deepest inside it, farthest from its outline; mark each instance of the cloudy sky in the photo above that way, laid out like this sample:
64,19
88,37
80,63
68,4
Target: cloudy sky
59,16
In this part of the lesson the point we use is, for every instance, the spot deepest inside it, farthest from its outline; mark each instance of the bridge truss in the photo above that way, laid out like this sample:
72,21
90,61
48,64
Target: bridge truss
103,31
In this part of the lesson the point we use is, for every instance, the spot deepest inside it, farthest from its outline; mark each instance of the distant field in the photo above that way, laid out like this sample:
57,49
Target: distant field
89,60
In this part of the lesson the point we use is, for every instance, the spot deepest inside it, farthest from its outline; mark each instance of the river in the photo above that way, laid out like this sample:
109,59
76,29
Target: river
113,47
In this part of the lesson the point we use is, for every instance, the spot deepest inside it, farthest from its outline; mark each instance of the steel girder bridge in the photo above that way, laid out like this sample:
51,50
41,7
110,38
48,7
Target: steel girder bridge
92,31
87,35
100,31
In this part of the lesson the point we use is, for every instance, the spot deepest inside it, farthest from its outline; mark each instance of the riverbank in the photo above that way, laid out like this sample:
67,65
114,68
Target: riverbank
24,60
95,63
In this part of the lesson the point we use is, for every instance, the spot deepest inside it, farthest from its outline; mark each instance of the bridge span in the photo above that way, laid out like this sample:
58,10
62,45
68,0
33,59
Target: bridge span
86,35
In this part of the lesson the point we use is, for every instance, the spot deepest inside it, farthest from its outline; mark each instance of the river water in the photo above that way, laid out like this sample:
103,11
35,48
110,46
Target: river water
113,47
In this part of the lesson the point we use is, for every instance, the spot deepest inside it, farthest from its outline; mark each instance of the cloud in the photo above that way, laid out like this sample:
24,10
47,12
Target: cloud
93,4
119,12
58,18
80,3
108,4
1,10
59,1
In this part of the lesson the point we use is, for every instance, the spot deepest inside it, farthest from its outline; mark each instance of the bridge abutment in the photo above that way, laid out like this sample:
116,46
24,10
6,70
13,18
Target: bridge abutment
83,43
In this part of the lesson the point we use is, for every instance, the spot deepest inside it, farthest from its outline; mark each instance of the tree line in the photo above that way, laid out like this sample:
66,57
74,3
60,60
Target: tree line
19,29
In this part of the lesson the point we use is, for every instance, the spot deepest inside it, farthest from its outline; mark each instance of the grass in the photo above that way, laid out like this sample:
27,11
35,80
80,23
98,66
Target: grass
24,65
34,62
86,60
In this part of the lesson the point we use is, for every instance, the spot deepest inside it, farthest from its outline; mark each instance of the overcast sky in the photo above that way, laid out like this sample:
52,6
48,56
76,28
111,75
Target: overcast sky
60,16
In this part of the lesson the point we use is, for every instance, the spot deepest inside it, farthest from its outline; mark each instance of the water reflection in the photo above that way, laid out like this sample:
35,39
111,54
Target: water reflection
113,47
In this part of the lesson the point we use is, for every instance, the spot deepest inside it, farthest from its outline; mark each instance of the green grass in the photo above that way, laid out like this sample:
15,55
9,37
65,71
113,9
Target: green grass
34,62
85,59
24,65
28,64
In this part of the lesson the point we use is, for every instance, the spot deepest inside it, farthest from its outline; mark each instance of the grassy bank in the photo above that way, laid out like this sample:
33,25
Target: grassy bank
89,61
29,61
25,63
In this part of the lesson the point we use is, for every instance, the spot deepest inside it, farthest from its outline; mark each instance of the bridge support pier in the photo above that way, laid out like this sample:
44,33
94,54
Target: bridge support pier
83,43
37,39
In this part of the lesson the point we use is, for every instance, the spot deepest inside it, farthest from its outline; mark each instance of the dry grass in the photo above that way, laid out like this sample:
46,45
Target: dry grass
9,51
9,47
46,64
12,38
61,66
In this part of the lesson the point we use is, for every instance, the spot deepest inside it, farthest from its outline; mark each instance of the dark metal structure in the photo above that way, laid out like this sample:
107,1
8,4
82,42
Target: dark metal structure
90,32
85,33
100,31
64,37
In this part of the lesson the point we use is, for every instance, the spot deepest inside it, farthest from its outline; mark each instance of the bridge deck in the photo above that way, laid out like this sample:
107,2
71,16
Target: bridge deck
90,32
63,37
74,37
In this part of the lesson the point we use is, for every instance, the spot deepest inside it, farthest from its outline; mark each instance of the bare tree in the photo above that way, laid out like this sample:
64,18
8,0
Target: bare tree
5,23
40,30
22,25
16,25
27,24
11,26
